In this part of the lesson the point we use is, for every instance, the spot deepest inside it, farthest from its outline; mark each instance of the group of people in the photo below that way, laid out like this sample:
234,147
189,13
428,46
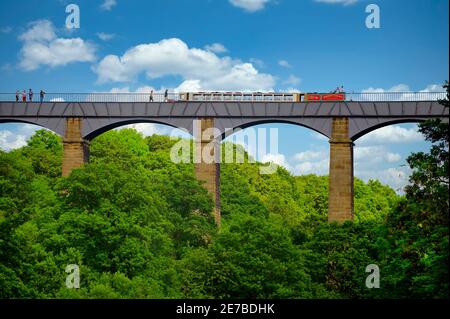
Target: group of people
166,96
30,95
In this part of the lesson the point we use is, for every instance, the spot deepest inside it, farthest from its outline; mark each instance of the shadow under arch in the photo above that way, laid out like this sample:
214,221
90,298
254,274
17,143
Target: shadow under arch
120,123
384,124
231,131
17,121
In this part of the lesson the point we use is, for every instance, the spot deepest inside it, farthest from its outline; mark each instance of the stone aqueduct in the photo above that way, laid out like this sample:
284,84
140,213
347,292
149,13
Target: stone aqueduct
342,122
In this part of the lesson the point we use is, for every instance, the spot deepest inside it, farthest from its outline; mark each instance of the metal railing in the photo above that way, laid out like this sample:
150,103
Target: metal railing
395,96
217,96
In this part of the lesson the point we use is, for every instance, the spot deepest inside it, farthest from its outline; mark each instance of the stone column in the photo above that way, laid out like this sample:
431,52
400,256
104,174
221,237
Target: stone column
76,149
207,160
340,196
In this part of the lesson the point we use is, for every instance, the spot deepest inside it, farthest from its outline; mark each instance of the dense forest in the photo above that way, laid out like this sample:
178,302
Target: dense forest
140,226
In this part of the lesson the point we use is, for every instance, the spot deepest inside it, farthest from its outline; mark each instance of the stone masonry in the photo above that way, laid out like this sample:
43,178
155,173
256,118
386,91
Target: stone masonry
76,149
340,195
208,171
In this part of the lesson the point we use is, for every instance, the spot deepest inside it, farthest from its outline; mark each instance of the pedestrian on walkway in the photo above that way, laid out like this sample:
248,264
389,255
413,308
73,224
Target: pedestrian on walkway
17,95
41,95
24,96
30,94
166,95
151,96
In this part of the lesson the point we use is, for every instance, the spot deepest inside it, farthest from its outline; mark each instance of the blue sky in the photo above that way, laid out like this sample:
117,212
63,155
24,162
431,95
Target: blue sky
308,45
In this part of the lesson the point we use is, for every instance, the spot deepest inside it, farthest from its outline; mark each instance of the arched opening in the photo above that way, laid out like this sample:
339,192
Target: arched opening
383,124
15,133
146,127
297,181
381,151
298,148
271,122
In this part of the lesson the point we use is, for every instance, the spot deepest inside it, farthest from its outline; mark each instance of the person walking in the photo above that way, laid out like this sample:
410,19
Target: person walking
151,96
30,95
24,96
166,95
17,95
41,95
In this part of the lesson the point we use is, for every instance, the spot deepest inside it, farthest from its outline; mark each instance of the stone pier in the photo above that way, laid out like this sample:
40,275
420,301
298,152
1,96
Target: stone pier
340,195
76,149
207,160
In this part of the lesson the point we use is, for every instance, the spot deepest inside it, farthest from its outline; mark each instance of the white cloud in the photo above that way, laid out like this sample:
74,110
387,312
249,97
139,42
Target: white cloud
258,62
397,178
312,162
344,2
189,86
433,88
146,129
174,57
105,36
42,47
250,5
396,88
284,64
11,140
6,29
374,154
278,159
309,156
292,80
216,48
107,5
40,30
392,134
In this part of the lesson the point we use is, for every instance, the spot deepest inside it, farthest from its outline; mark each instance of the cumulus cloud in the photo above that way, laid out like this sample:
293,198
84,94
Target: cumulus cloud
278,159
433,88
396,88
10,140
374,154
292,80
216,48
392,134
397,178
250,5
284,64
201,68
258,62
312,162
107,5
105,36
41,46
146,129
344,2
